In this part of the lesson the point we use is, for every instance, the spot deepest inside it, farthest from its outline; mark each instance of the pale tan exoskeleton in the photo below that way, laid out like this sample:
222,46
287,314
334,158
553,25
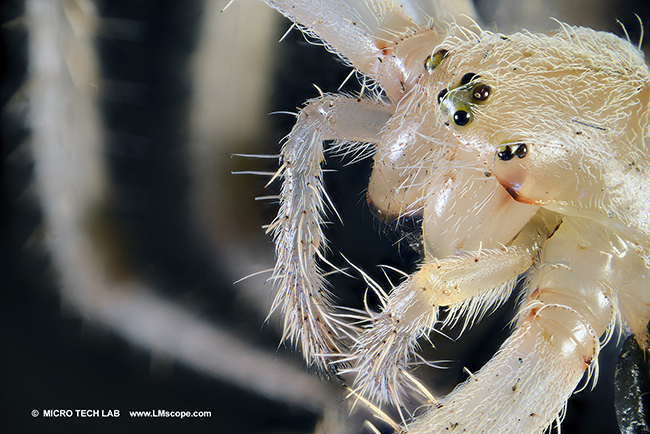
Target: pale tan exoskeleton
524,155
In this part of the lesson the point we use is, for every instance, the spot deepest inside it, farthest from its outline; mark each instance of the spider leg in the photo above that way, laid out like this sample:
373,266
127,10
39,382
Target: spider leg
469,285
371,35
297,229
570,305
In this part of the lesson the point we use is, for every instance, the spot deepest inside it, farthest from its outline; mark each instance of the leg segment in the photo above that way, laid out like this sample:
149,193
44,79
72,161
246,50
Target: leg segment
468,285
526,384
301,297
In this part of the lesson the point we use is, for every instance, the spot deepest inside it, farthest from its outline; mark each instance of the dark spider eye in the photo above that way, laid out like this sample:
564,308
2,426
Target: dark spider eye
434,60
481,92
504,152
521,151
442,94
461,118
467,78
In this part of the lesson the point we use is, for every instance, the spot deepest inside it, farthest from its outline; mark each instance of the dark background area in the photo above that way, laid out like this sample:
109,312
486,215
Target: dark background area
51,357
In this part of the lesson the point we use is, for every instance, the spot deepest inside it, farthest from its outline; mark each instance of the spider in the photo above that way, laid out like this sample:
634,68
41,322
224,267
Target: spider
523,156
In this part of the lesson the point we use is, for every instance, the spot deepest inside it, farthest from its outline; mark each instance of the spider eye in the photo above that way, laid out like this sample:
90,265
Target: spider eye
467,78
521,151
508,152
434,60
504,152
462,118
442,94
481,92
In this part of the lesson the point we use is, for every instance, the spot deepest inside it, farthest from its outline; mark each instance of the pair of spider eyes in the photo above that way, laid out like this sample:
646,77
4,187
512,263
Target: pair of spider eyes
480,93
510,151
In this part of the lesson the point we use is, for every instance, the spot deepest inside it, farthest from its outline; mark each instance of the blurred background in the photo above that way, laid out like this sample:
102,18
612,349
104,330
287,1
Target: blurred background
123,228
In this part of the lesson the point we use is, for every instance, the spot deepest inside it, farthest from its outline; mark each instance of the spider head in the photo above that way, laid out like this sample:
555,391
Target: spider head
551,117
423,169
498,126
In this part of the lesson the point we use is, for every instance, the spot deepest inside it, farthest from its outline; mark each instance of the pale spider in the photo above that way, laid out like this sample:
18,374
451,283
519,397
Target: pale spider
524,156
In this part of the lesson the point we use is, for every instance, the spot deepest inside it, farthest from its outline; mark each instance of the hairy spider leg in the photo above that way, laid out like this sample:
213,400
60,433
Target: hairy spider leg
569,312
469,285
297,230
